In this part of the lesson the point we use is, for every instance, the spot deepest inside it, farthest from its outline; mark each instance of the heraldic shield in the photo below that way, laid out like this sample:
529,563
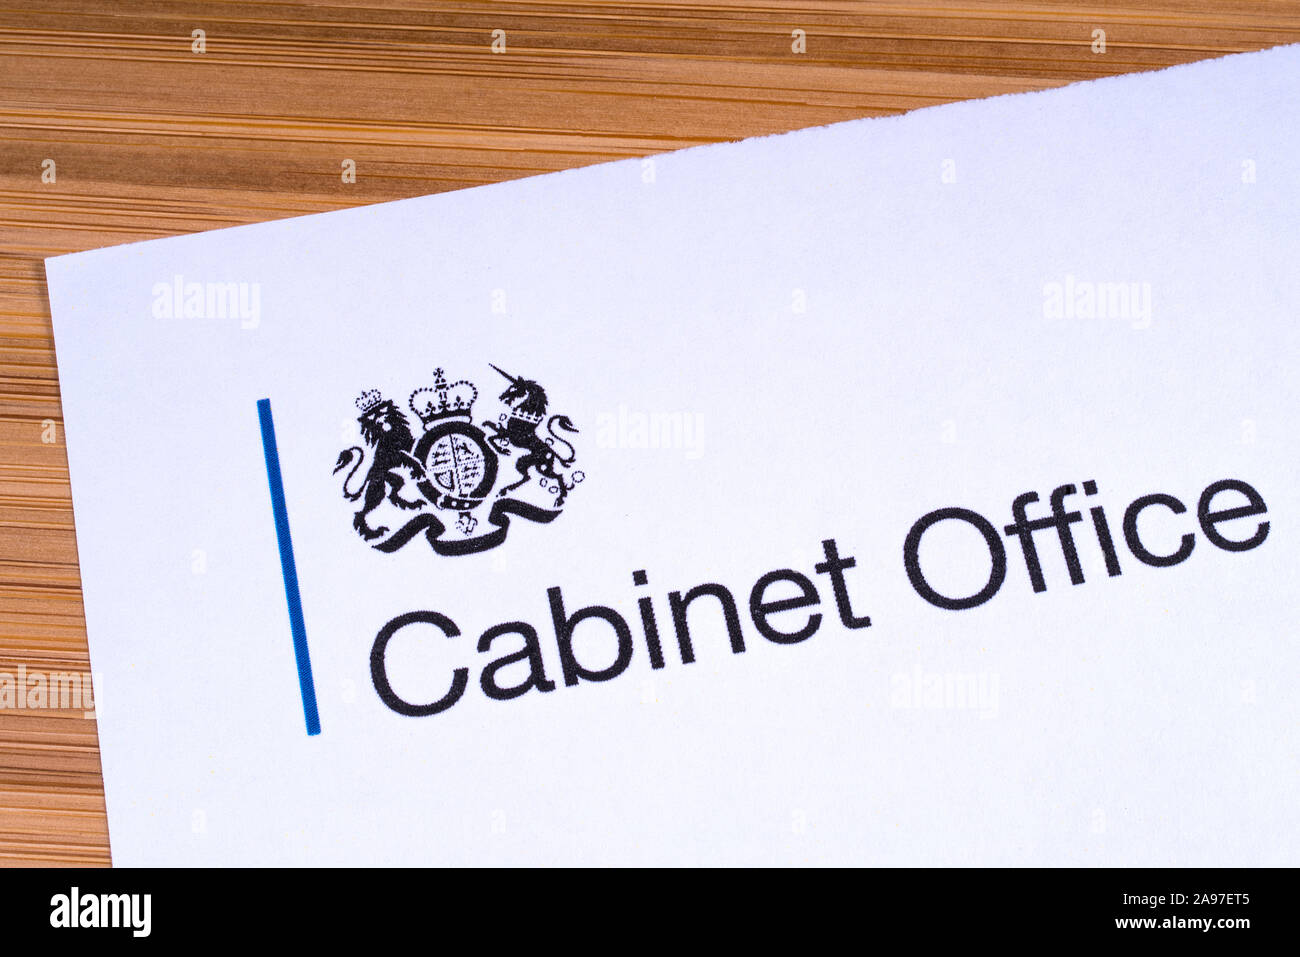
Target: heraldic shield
451,474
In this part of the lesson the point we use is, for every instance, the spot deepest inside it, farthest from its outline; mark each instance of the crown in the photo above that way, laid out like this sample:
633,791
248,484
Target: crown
529,417
443,401
369,399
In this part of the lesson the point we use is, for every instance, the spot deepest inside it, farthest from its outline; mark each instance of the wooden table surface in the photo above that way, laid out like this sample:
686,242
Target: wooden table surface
151,136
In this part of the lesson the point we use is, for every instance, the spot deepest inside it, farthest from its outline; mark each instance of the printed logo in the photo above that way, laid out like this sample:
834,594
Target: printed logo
454,466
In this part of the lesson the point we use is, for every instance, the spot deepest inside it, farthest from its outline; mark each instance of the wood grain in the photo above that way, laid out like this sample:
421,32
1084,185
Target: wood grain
152,139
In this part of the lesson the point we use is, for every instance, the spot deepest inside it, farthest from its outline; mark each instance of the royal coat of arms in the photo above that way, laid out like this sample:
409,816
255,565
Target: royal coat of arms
449,474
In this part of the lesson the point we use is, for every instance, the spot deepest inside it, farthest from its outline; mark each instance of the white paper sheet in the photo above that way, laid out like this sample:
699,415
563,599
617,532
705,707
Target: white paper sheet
763,345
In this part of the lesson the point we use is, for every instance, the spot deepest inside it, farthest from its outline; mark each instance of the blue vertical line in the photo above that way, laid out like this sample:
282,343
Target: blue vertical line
287,567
